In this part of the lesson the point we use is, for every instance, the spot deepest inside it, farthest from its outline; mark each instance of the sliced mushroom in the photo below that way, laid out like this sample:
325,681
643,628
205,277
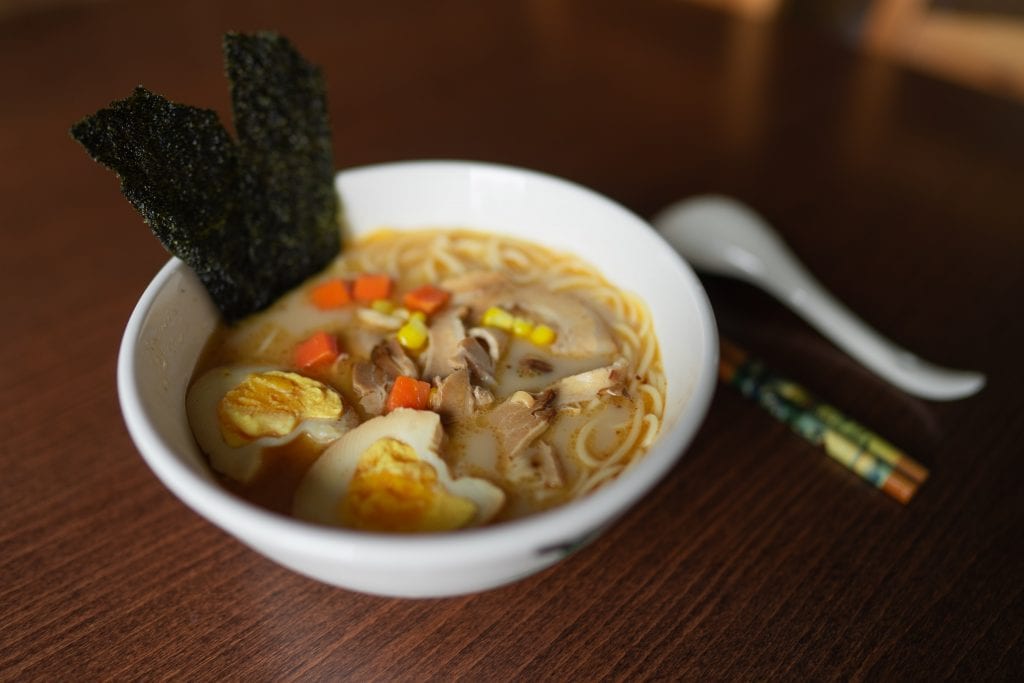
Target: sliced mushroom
446,331
390,357
494,341
454,400
370,384
470,354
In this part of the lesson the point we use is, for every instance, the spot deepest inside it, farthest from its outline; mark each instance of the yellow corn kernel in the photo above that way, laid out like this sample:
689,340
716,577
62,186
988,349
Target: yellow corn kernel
383,305
498,317
542,335
413,335
521,327
418,315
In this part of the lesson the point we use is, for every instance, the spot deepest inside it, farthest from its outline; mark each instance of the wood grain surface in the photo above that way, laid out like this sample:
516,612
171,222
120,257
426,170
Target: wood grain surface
757,558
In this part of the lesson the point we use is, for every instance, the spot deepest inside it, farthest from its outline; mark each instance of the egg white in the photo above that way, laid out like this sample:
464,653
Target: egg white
241,463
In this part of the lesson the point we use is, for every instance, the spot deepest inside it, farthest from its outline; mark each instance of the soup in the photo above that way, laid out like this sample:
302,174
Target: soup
428,381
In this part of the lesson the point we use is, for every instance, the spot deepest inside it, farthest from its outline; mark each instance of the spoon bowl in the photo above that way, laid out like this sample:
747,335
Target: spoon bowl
721,236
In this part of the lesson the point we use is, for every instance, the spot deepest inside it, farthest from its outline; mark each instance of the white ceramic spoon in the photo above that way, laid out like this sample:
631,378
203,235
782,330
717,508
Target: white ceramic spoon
721,236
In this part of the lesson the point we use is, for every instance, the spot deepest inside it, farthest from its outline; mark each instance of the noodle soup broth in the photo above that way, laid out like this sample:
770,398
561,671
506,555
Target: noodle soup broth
547,328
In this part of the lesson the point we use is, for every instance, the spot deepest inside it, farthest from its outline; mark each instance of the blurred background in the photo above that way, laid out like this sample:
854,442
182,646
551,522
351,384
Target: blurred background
976,43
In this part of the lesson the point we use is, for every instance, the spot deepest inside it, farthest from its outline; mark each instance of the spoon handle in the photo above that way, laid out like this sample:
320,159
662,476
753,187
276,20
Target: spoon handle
721,236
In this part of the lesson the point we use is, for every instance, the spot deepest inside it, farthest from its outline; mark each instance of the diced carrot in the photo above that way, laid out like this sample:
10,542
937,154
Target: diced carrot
320,349
408,392
330,294
426,298
370,287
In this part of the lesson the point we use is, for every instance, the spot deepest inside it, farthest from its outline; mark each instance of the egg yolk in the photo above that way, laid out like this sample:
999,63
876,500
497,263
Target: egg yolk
392,489
273,404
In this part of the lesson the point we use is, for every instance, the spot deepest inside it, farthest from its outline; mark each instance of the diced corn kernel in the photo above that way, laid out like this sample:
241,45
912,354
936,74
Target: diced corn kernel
521,327
413,335
542,335
383,305
498,317
418,315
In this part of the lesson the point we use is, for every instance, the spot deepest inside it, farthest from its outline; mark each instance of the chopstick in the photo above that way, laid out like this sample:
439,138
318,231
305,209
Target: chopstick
871,457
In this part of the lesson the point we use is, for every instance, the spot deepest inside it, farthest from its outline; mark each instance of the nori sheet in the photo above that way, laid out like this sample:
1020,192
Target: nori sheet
252,218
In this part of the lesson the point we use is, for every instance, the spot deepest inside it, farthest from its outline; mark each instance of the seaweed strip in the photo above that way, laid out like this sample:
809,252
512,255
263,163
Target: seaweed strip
252,218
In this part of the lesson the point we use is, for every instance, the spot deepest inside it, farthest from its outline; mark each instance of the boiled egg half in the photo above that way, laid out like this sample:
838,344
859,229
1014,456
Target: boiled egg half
238,411
387,475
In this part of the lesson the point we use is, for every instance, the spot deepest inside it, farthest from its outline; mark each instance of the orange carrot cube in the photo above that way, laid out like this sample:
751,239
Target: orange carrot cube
318,350
408,392
370,287
426,298
330,294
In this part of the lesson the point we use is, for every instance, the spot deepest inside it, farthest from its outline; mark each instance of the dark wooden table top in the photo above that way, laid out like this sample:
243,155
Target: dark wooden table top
757,558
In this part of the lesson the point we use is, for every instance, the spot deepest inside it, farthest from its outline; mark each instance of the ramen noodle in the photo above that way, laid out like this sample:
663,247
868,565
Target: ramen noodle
431,380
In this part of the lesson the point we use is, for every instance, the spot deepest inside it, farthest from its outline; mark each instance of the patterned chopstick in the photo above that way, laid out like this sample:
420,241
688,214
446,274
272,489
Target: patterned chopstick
859,449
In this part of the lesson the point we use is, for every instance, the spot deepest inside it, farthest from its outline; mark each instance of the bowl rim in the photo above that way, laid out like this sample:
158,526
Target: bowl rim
563,525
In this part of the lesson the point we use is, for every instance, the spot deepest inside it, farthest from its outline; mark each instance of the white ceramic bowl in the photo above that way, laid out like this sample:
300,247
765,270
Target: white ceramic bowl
174,317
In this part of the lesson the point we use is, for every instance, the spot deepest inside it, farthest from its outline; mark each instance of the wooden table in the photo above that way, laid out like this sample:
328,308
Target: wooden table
757,558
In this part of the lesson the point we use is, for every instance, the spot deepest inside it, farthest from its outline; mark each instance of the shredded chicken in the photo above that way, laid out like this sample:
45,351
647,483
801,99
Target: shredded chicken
538,466
482,396
520,419
575,389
